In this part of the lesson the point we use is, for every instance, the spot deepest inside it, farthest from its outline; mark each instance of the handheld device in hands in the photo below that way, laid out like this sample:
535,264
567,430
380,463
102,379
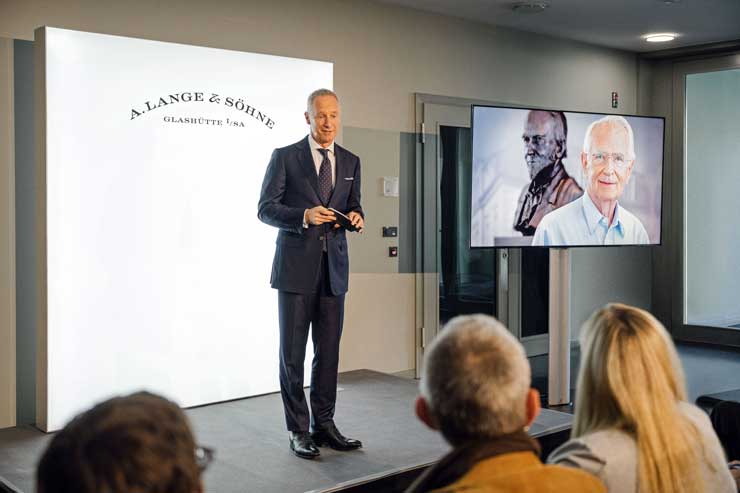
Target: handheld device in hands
344,220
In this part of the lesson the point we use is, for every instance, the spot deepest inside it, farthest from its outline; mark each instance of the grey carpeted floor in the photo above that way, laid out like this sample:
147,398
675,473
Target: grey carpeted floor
252,447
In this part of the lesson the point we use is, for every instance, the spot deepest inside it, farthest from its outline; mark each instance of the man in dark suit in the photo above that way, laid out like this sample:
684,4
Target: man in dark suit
311,267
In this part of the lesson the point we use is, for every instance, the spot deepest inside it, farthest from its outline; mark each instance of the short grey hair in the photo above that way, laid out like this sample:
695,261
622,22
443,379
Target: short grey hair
317,93
611,120
475,380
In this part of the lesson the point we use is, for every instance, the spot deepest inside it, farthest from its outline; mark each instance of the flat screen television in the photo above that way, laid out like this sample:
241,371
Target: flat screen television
550,178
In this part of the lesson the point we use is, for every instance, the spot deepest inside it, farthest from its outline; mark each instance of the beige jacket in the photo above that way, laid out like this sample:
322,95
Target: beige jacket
611,455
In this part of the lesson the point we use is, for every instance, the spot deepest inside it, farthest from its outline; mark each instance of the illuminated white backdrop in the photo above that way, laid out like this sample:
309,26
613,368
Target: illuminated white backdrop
157,266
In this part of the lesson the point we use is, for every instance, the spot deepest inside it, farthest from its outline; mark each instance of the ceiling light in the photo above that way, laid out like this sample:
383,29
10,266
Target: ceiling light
530,7
659,37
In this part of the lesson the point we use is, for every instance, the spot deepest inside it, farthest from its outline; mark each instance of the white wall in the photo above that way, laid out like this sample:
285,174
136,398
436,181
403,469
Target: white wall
377,336
605,275
383,55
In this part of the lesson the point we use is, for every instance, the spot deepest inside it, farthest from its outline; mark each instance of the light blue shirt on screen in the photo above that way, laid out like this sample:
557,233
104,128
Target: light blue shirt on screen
581,223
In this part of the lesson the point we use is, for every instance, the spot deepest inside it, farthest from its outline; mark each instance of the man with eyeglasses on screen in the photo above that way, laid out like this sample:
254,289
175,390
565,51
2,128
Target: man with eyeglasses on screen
597,218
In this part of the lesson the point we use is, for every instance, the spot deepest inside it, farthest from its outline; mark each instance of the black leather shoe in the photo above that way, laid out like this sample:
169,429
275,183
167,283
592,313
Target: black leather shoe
329,435
302,445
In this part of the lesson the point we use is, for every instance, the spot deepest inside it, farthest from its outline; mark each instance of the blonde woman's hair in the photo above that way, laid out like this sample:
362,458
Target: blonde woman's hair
631,379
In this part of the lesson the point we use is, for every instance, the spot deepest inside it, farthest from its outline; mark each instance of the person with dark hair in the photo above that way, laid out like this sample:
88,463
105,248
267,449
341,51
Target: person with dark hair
545,146
140,443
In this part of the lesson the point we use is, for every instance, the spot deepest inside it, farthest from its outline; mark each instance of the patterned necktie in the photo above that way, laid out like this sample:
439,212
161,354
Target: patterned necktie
325,177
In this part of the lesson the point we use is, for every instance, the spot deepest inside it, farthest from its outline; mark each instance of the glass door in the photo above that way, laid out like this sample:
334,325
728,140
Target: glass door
712,163
706,150
466,276
444,139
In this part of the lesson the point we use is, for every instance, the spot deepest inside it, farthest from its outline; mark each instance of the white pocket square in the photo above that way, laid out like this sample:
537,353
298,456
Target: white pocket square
349,178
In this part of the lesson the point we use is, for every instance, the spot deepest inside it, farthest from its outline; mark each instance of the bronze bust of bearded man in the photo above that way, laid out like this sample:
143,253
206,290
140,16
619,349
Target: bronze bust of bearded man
545,135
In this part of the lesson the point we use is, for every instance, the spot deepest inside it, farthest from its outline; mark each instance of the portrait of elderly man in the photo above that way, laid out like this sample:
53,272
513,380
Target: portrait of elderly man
607,159
476,391
545,135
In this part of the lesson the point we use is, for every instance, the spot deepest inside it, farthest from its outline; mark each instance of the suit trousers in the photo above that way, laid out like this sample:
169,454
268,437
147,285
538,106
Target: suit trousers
324,313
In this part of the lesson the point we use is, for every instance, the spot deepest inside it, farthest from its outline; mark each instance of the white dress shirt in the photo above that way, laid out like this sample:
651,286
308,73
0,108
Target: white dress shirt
317,159
581,223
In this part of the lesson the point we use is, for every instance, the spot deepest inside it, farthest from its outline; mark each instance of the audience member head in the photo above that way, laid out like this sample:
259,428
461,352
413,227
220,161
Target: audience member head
475,382
141,443
631,378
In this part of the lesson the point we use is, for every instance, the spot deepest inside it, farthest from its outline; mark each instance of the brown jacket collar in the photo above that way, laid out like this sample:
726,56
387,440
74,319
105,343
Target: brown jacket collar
462,459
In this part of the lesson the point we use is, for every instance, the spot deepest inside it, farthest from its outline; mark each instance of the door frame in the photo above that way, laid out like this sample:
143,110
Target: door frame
681,330
508,261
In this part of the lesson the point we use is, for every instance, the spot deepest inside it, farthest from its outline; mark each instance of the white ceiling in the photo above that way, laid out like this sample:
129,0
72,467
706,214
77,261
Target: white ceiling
613,23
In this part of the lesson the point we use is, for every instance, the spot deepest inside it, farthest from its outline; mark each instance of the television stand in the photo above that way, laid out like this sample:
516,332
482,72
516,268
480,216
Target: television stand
558,364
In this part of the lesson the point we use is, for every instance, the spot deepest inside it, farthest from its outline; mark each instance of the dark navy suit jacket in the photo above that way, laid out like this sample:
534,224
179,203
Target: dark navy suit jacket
291,186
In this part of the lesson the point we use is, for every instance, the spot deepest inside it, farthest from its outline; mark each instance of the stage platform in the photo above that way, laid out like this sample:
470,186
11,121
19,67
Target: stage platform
252,447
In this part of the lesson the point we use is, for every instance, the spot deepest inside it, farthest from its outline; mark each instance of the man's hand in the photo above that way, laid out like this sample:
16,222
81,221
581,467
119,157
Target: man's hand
357,220
319,215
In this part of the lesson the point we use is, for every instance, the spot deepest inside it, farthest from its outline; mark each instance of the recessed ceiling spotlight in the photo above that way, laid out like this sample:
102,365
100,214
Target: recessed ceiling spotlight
669,2
659,37
530,7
